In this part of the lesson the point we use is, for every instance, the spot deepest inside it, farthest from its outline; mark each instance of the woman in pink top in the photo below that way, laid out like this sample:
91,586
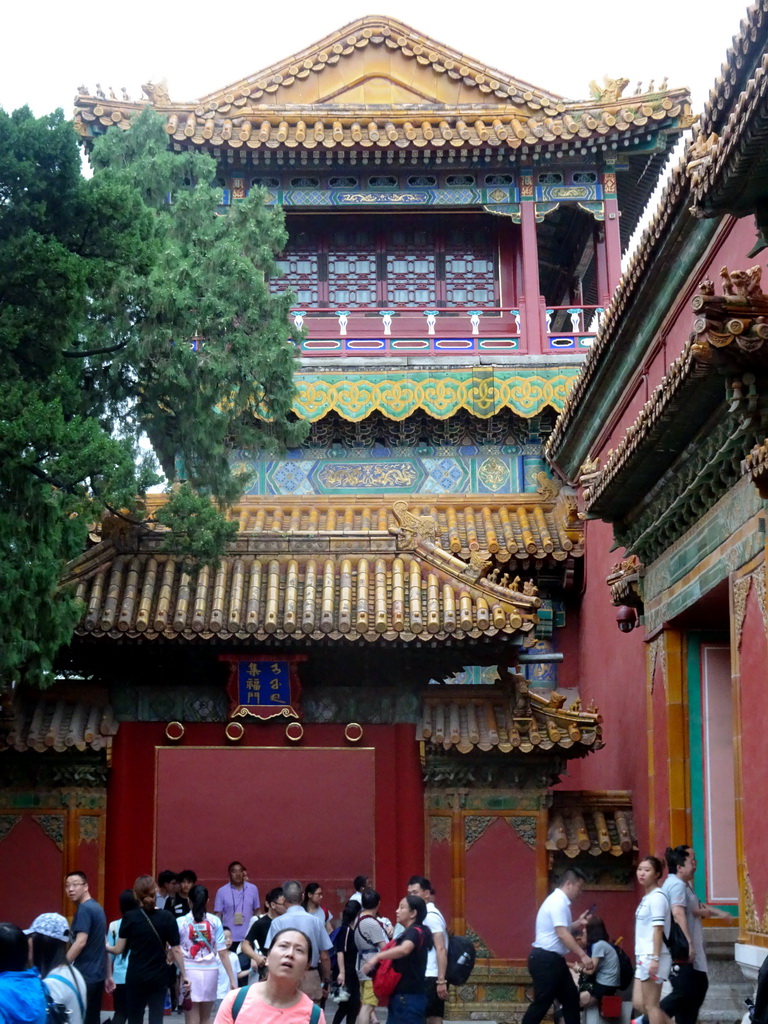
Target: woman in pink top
278,999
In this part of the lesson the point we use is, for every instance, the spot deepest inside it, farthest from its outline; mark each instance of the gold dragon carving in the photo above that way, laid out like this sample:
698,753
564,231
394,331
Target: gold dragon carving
610,91
412,528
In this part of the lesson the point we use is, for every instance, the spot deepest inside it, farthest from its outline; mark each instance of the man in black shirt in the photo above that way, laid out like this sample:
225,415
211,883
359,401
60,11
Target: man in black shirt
167,887
254,944
88,951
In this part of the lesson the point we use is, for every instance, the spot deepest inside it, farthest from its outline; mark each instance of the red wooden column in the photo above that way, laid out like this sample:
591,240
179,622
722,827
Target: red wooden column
531,316
612,231
603,291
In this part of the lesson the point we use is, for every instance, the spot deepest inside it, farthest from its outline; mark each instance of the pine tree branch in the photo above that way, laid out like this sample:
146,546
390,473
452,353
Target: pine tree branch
48,479
75,354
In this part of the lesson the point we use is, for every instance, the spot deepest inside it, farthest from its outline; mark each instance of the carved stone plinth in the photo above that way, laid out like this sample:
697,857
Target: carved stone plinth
495,992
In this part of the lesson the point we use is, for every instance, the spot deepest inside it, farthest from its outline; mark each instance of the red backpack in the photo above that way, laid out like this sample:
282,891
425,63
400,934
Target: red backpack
385,977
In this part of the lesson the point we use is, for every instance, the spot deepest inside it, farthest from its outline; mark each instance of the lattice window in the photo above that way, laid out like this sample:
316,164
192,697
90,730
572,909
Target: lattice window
411,267
352,269
470,279
390,261
299,265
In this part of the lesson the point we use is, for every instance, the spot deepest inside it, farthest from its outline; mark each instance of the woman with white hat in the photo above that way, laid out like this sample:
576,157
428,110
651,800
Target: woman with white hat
49,938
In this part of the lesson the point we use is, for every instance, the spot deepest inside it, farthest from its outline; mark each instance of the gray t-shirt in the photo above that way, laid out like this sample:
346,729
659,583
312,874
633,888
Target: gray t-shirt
369,937
608,972
311,926
92,960
680,894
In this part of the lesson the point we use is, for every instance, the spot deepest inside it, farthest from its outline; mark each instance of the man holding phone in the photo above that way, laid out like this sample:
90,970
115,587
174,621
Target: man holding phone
546,961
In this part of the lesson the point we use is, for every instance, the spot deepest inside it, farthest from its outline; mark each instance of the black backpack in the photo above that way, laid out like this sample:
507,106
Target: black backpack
626,970
461,959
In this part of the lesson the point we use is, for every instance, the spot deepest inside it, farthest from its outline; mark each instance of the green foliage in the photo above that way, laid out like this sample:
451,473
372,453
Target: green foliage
210,282
198,530
103,283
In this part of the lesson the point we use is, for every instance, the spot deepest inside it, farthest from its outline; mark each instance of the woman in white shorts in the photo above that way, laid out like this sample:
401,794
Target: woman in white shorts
203,944
652,960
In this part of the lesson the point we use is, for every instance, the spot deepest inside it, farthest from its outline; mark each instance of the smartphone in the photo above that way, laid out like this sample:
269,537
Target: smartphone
593,908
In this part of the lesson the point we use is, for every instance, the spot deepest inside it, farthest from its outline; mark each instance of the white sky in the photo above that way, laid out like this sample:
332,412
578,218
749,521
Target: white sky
52,46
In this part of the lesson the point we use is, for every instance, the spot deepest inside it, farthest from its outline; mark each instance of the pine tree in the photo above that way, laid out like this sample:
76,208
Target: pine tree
104,284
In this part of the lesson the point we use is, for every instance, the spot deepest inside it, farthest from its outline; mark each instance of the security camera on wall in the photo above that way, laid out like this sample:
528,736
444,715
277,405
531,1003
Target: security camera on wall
626,618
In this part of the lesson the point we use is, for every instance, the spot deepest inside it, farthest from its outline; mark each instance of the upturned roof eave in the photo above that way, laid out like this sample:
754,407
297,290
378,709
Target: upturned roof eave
640,304
608,369
732,179
274,111
741,60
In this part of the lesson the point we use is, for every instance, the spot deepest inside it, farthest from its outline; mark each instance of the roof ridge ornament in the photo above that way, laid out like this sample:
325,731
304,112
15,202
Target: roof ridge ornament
157,93
610,92
412,528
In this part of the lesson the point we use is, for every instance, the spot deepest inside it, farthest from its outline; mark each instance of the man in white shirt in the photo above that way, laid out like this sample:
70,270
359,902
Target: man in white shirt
689,981
437,958
546,961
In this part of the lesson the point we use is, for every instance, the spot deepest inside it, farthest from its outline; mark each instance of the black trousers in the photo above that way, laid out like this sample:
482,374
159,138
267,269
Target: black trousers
118,1001
94,992
140,996
551,980
349,1010
689,987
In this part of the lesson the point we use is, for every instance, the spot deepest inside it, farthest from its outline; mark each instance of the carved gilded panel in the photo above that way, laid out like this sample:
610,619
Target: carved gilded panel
482,948
440,829
741,588
474,827
526,828
53,826
7,822
657,653
89,827
754,922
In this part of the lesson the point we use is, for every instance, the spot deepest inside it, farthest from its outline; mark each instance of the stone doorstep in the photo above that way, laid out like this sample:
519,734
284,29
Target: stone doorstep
727,986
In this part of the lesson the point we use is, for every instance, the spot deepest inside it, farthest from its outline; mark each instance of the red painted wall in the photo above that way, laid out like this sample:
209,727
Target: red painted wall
611,671
399,815
501,856
253,803
754,723
27,852
440,874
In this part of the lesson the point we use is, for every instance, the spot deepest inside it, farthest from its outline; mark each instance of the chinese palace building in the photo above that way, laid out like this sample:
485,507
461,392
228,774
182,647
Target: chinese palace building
392,670
665,432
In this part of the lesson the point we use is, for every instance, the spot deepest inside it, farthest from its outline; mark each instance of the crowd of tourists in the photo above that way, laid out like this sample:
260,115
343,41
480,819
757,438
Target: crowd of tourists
669,947
168,950
277,962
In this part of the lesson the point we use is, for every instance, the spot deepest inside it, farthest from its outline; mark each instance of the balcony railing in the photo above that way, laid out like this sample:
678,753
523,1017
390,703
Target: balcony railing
437,330
572,327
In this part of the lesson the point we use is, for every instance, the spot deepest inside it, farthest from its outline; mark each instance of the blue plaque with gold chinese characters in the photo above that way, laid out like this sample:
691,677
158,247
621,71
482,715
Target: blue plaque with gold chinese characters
263,686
